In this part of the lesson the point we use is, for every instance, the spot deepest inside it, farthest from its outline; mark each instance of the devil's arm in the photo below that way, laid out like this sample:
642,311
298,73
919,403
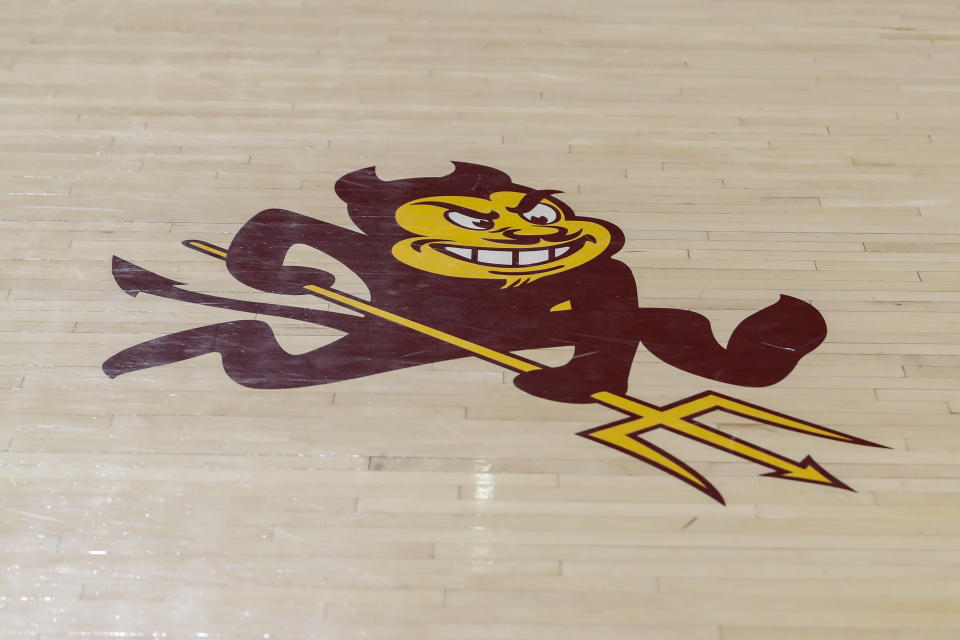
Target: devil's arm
257,252
762,350
604,305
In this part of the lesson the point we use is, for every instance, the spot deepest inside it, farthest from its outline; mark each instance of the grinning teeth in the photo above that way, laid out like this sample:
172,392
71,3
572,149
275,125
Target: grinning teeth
495,257
533,257
505,257
460,251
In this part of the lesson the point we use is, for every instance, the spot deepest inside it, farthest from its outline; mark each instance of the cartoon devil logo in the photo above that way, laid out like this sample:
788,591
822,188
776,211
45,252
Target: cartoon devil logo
472,262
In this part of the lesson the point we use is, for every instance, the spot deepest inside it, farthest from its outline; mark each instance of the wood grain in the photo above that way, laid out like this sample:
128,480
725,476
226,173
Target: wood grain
746,148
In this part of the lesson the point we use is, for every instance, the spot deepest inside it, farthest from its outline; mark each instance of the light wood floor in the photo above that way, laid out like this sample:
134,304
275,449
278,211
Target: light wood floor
747,148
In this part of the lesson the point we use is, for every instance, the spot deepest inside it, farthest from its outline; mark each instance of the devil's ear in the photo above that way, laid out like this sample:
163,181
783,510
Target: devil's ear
372,202
364,185
354,186
466,172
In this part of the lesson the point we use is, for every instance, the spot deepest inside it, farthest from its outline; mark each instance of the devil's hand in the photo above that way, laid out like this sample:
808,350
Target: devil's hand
569,383
286,280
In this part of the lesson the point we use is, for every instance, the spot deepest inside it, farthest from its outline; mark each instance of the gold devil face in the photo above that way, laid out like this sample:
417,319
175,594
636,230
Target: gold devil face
510,236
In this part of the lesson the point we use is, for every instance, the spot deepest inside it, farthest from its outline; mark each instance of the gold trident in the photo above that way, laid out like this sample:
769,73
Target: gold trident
624,435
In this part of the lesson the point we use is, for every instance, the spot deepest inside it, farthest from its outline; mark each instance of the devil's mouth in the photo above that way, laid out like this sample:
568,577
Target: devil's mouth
513,257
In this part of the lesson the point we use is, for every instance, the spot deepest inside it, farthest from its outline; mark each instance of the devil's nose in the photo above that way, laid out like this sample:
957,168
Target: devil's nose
532,232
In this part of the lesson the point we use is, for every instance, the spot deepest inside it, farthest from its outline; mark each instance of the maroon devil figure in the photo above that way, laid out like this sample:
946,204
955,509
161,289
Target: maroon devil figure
478,256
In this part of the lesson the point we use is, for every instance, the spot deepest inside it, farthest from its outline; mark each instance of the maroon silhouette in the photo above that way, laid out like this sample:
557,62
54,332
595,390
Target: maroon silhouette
605,324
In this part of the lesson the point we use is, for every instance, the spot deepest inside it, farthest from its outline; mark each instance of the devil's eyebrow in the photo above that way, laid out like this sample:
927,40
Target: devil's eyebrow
531,200
459,209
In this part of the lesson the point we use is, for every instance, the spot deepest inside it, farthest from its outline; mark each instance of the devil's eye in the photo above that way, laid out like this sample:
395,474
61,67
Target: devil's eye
541,214
477,223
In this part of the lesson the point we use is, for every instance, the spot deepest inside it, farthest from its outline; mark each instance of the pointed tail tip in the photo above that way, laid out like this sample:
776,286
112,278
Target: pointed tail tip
119,267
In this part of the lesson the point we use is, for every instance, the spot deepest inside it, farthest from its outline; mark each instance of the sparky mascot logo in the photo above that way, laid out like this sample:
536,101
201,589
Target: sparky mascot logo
472,263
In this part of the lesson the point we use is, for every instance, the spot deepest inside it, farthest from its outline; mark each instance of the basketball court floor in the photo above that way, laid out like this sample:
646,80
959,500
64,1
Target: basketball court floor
618,375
